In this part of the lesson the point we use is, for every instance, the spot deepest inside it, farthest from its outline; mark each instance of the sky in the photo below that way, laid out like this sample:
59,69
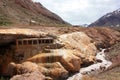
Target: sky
78,12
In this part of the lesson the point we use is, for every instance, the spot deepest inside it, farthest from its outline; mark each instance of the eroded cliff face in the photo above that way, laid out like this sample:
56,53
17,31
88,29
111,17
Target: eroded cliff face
102,36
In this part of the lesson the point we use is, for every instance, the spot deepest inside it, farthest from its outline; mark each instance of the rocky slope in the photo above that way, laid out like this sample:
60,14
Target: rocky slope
75,41
78,48
32,76
26,12
93,69
110,19
102,36
56,63
113,71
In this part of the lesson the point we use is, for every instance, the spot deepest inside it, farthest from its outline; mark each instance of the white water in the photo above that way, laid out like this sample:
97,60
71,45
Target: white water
94,68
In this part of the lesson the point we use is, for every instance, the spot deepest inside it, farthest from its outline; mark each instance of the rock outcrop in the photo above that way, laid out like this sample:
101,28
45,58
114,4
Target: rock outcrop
81,43
25,67
65,57
36,75
57,63
103,37
10,35
54,70
93,69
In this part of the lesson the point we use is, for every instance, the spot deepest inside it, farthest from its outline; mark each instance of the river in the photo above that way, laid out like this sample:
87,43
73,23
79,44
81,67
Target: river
94,68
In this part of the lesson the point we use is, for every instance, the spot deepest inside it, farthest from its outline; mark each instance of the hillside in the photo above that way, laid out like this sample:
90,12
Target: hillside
27,12
110,19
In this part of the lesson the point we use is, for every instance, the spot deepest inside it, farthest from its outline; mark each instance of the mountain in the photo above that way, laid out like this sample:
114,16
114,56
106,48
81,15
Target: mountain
110,19
27,12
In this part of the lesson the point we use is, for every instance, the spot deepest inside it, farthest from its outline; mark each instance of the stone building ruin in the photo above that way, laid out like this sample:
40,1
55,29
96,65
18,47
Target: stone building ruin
28,47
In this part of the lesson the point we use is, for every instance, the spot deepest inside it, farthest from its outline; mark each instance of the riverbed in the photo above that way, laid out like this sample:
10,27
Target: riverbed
95,68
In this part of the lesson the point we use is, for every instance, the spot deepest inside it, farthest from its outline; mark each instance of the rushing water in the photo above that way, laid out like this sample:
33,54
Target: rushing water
94,68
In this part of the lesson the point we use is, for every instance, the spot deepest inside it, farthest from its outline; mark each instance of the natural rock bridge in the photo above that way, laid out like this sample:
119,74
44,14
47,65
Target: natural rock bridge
28,47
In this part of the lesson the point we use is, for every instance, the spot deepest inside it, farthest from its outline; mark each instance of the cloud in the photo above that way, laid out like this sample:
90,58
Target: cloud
80,11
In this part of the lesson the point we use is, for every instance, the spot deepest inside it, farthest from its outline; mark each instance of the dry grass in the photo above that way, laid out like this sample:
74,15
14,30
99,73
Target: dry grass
113,74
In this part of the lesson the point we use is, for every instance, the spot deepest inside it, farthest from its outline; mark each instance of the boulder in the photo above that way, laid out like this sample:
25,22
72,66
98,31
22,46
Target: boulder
80,43
54,70
66,57
36,75
25,67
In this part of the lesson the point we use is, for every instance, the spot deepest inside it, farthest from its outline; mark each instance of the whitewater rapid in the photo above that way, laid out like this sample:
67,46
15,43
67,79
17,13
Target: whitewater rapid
94,68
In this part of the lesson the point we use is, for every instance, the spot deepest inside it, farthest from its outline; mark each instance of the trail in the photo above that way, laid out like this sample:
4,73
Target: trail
94,68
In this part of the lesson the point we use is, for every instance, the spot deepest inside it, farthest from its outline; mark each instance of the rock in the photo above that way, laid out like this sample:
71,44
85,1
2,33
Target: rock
87,73
80,43
78,49
54,70
65,57
103,37
10,35
86,77
25,67
69,60
97,67
36,75
5,59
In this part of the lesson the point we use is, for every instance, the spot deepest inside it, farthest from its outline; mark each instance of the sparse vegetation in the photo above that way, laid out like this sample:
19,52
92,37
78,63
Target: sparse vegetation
116,28
113,74
4,21
2,78
114,51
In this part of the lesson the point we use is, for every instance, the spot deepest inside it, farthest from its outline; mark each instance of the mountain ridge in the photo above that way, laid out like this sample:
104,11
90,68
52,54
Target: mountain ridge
111,19
26,11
